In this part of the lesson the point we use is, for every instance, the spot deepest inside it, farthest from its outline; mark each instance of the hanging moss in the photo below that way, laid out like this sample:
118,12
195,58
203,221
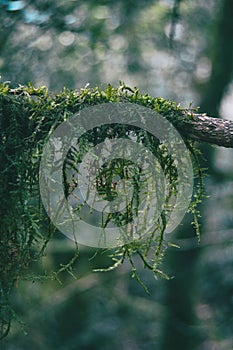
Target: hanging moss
27,116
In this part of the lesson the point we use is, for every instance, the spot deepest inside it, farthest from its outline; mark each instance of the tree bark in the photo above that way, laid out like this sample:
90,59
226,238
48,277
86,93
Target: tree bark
203,128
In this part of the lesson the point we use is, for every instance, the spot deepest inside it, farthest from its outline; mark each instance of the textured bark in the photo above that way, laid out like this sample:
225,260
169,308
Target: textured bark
200,127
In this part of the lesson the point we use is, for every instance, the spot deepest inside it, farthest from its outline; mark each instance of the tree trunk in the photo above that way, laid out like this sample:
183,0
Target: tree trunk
180,331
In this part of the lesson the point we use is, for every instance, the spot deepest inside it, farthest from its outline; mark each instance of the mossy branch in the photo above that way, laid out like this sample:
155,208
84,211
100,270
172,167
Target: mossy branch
194,126
28,115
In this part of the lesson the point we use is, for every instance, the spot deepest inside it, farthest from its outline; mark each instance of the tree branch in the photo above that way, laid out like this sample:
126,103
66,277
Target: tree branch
195,126
203,128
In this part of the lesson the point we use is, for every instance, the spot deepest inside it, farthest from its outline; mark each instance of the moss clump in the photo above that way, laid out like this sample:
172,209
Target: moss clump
27,116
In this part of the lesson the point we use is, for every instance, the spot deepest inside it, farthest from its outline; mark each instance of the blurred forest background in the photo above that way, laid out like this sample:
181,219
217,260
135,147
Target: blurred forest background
182,50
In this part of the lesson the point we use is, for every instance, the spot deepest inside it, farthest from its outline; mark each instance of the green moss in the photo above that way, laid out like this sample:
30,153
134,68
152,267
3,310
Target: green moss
27,116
